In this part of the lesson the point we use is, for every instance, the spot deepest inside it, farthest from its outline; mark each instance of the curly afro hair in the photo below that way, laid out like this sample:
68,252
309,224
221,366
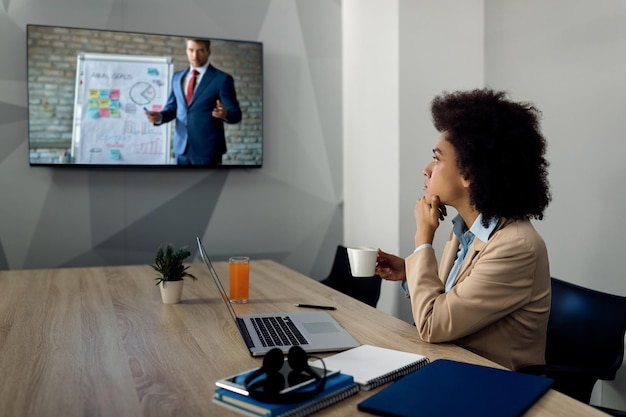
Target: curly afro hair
500,149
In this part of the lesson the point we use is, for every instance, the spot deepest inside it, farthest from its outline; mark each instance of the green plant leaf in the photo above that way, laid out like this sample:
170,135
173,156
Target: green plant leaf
169,263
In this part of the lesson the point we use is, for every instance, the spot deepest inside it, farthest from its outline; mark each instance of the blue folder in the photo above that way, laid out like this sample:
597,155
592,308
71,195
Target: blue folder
446,388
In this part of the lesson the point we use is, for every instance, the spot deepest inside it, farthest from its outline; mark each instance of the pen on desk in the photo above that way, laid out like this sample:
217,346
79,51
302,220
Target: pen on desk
314,306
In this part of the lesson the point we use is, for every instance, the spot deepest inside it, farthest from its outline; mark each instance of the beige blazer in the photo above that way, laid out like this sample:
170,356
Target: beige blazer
499,304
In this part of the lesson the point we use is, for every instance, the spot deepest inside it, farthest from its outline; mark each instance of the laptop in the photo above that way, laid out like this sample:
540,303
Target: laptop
314,331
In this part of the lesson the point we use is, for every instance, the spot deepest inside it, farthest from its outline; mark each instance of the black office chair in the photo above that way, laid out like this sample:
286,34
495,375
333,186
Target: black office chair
585,340
340,278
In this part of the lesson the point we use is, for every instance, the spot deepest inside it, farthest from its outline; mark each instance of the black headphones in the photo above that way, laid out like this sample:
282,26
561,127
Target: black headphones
268,389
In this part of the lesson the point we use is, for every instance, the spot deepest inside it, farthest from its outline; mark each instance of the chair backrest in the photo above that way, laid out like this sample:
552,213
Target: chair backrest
586,329
340,278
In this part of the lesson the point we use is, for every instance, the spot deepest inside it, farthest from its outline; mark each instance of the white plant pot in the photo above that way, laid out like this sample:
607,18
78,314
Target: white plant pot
171,292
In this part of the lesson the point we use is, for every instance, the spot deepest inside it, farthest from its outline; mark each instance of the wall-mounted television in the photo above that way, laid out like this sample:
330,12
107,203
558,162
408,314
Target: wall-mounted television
92,95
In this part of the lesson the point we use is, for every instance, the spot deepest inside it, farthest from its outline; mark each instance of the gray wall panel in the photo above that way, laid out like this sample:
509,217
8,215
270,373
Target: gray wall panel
288,209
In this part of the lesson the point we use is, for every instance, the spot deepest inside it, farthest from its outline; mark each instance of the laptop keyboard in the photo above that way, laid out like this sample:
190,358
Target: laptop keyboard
278,331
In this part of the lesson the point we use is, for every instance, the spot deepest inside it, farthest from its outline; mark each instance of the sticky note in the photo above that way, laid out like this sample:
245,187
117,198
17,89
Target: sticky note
115,154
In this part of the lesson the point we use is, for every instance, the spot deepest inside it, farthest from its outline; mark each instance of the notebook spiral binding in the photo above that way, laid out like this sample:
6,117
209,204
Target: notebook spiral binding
405,370
326,401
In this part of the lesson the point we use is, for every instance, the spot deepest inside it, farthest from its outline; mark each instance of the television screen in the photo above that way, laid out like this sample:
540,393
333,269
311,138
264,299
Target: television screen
114,98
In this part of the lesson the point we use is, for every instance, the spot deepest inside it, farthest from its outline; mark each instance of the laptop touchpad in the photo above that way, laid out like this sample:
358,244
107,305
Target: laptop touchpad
320,327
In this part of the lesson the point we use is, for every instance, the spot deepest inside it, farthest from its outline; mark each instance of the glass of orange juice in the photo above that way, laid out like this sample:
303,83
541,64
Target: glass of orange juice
239,271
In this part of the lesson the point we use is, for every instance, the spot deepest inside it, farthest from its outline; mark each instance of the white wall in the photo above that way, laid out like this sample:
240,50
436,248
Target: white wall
397,56
568,57
371,128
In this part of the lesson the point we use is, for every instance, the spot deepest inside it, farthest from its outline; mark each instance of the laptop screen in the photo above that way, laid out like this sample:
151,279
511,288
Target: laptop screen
216,279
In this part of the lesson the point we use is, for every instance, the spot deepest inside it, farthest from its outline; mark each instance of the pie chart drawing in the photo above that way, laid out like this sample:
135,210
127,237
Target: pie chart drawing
142,93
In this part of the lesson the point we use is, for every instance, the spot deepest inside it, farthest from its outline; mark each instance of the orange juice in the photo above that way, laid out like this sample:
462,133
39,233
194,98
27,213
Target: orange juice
239,269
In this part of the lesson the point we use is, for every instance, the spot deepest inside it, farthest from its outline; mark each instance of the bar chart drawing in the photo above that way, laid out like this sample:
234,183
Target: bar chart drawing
150,147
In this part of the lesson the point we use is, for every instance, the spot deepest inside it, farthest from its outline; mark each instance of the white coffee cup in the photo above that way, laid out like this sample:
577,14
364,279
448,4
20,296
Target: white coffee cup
362,261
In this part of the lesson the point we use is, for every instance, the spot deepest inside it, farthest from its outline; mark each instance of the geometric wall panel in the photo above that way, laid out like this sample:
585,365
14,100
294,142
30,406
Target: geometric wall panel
290,209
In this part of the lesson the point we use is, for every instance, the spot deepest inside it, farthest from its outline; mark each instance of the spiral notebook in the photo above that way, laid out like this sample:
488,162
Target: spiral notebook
372,366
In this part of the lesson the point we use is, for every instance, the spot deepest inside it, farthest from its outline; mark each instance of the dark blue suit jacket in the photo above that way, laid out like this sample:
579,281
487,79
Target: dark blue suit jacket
198,135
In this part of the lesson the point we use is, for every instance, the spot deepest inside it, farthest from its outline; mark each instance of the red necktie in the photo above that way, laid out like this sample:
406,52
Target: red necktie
190,86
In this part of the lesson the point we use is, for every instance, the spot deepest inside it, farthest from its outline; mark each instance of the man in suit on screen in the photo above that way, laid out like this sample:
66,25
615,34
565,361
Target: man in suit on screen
202,99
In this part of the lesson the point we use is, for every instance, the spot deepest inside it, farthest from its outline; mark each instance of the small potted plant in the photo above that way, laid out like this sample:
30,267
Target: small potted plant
169,264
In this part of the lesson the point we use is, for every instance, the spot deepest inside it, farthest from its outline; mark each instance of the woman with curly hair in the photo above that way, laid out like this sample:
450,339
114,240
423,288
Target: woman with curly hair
491,291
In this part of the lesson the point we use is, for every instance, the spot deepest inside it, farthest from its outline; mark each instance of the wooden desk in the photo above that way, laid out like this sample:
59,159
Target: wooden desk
99,341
